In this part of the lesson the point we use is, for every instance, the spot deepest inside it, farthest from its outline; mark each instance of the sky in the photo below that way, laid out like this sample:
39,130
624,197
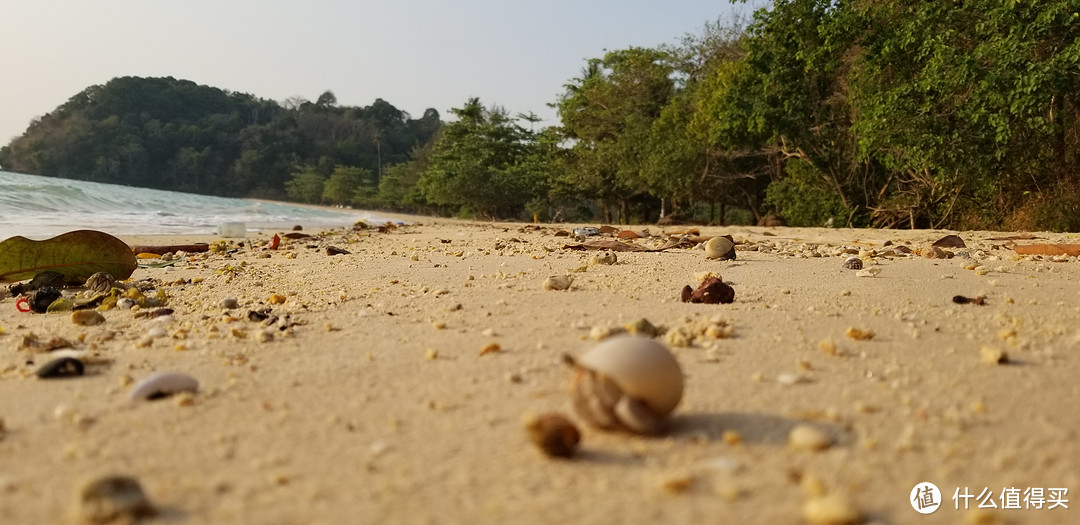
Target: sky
414,54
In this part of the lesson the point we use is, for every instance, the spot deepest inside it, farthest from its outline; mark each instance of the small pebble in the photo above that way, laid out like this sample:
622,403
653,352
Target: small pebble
831,509
229,303
62,367
558,282
859,334
162,385
87,317
807,437
113,499
994,356
277,299
554,434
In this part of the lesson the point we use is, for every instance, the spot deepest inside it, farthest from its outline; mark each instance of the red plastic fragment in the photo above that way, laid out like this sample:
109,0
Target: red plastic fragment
22,304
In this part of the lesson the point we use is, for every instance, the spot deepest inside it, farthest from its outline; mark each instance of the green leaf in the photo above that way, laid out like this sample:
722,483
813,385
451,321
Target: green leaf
77,255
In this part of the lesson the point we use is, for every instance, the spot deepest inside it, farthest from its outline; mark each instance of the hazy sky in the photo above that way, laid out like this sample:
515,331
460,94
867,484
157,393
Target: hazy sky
414,54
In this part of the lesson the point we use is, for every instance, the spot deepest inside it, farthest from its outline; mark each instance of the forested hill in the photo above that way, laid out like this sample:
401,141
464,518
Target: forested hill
175,134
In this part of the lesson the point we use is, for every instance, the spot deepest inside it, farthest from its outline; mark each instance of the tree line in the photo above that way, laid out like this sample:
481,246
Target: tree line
885,113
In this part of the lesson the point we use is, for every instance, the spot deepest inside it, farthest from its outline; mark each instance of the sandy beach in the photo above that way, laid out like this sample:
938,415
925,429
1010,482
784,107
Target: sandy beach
372,399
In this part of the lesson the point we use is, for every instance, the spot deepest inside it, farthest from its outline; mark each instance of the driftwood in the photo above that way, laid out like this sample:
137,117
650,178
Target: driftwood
170,248
1048,249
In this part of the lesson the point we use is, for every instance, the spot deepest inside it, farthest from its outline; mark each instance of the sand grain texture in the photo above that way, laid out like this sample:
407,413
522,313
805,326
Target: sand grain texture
379,407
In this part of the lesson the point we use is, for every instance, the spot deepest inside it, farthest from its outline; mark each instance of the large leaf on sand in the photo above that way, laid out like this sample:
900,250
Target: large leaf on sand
77,255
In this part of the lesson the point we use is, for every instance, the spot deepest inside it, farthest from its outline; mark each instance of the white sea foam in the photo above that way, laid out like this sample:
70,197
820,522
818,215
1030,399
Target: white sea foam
40,207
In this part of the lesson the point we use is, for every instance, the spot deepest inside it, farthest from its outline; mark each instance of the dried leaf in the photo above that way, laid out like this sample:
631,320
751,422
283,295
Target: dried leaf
77,255
614,246
950,241
1017,237
1048,249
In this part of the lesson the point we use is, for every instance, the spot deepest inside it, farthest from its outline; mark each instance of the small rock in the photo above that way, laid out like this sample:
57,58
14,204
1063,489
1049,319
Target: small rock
113,499
831,509
554,434
41,298
641,327
333,250
713,291
807,437
62,367
558,282
87,317
228,303
950,241
859,334
868,272
607,259
994,356
277,299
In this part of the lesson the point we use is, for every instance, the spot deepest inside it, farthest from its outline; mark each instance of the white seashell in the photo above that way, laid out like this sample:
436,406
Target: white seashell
558,282
868,272
629,382
125,303
163,385
719,248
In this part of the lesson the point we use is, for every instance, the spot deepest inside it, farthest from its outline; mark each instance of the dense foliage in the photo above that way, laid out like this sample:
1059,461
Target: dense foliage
177,135
891,113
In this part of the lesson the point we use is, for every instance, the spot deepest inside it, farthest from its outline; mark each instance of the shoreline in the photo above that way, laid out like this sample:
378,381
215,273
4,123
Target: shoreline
377,398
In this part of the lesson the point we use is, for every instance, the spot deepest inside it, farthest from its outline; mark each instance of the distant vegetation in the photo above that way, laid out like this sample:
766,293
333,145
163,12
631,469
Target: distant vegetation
960,114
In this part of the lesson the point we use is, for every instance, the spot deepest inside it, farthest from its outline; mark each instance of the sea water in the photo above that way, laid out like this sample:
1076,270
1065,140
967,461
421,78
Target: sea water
41,207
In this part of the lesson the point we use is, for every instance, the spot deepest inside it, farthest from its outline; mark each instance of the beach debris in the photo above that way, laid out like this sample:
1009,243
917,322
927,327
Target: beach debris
722,248
859,334
627,382
42,279
558,282
641,327
831,509
628,234
582,233
40,299
87,317
608,259
1048,249
163,385
275,241
808,437
993,356
868,272
490,348
100,282
711,291
950,241
686,293
113,499
228,303
295,235
554,434
61,367
333,250
933,252
160,250
32,343
853,263
960,299
77,255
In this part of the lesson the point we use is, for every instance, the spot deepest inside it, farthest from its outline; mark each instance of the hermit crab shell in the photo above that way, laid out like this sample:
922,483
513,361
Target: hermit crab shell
719,248
642,368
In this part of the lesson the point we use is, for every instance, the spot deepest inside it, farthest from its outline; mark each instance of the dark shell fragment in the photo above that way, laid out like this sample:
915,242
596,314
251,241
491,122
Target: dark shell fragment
62,367
42,279
41,298
686,293
713,291
950,241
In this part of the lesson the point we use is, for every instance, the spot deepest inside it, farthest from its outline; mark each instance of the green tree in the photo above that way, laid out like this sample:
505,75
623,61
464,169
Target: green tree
306,186
480,164
345,183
